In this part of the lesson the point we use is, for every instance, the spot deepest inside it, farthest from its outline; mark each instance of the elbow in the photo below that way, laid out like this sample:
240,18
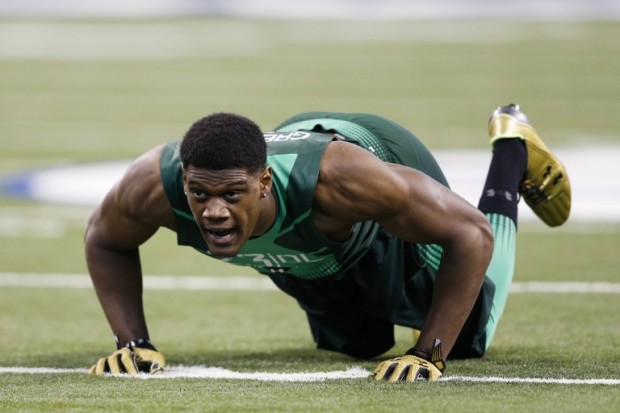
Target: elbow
485,237
94,239
90,229
473,243
90,243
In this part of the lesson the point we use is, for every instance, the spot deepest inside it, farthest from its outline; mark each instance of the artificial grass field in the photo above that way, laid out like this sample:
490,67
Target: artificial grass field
101,90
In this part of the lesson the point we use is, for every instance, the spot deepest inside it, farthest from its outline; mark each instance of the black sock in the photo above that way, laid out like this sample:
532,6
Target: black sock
501,189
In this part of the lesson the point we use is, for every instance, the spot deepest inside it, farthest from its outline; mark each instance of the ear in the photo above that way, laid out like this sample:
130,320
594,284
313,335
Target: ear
266,179
184,178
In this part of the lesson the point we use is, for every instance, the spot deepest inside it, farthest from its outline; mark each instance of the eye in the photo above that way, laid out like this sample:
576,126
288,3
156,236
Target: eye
198,195
232,196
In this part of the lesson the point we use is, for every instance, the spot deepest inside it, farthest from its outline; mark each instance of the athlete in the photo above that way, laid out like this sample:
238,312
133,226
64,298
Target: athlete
349,214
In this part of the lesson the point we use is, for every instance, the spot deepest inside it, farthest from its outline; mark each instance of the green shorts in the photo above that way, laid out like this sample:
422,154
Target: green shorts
392,284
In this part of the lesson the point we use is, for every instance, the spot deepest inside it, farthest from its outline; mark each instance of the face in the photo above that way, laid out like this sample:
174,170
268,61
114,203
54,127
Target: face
229,206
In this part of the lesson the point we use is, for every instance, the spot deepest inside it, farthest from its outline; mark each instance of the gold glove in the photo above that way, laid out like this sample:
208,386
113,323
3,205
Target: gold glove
136,357
415,365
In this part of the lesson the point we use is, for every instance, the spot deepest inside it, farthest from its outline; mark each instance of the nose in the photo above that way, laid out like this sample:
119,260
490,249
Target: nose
215,210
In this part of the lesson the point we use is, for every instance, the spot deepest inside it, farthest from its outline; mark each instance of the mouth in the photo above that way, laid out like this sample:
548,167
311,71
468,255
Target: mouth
220,237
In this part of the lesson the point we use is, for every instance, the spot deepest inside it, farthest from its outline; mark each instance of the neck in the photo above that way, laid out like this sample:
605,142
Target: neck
267,216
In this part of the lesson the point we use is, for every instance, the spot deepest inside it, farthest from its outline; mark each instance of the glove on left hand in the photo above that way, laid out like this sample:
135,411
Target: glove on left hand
412,366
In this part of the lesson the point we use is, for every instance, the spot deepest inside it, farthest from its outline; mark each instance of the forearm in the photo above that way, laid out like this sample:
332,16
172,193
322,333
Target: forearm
117,278
457,286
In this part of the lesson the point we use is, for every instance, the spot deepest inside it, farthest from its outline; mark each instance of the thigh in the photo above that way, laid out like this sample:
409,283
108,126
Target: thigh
335,320
354,313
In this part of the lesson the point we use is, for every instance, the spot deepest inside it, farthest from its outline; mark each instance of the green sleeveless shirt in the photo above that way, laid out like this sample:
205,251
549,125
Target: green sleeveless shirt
293,245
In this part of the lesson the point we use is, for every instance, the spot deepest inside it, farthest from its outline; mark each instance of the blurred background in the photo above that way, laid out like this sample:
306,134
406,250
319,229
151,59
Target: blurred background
330,9
86,86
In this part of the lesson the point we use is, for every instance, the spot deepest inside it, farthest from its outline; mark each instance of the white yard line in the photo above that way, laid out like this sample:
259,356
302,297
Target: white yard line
39,370
247,283
151,282
204,372
565,287
610,382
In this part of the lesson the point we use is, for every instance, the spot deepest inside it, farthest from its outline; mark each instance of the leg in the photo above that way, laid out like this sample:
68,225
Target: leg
337,319
353,314
522,165
499,203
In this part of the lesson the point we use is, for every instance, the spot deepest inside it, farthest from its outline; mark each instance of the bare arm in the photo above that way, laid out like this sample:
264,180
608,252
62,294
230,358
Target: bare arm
355,186
129,215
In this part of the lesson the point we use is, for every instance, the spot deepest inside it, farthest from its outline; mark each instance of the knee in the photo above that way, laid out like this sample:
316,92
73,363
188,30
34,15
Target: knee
360,349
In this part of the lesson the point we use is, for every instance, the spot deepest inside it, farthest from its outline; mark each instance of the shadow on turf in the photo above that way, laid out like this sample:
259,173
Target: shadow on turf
276,360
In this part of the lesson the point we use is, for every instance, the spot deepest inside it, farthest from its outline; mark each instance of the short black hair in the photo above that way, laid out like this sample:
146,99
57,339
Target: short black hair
224,141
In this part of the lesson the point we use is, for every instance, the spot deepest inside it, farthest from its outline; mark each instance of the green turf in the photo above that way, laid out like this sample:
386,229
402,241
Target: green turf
246,331
90,394
440,79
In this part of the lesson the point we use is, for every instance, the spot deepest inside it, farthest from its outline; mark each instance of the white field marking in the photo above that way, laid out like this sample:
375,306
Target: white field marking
151,282
39,370
205,372
609,382
22,227
242,283
114,40
565,287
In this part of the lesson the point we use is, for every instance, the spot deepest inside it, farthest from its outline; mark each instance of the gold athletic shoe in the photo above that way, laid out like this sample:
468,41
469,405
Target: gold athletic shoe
545,186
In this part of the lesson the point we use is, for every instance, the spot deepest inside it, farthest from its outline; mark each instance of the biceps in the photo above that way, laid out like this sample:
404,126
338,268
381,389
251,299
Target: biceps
355,186
110,228
428,211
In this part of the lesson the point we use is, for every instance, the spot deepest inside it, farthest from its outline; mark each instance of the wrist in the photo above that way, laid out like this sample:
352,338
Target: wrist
143,342
420,352
432,355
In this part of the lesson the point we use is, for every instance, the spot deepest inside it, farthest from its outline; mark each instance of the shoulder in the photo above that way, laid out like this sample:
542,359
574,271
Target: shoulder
338,151
142,175
140,193
344,163
354,185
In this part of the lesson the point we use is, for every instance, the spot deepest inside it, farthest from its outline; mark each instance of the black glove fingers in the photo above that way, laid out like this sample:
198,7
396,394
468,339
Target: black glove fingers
389,371
422,374
121,366
106,366
144,366
403,375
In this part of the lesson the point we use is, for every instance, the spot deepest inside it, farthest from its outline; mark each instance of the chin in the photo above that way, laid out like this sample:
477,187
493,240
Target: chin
221,254
224,252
